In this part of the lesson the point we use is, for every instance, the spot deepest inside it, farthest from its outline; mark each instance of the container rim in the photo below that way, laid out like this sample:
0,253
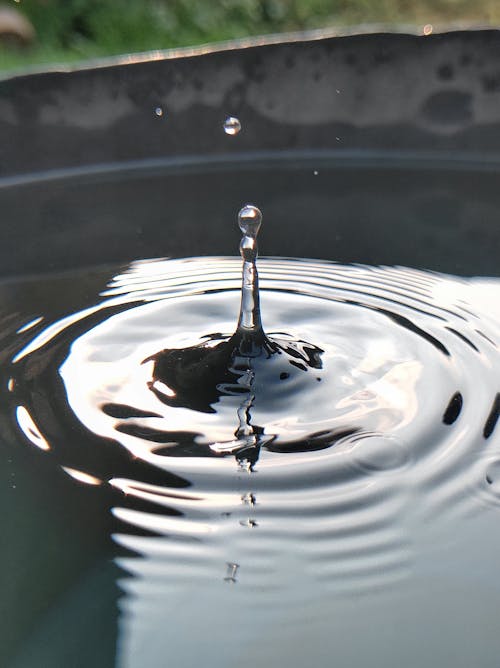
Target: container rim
415,30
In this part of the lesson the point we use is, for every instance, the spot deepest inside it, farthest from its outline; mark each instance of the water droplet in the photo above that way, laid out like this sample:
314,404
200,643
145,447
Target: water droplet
159,111
428,29
249,220
315,172
232,125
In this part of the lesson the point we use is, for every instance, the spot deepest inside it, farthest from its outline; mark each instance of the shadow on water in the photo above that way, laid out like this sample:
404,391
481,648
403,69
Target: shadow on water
58,578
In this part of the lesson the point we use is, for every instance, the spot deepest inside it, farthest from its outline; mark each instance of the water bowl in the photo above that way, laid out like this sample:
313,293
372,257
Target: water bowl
250,359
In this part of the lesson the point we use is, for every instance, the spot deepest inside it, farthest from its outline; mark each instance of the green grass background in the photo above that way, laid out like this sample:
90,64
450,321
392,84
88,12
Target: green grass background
72,30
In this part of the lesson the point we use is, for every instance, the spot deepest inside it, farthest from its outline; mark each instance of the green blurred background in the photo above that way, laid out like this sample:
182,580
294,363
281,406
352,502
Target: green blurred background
36,32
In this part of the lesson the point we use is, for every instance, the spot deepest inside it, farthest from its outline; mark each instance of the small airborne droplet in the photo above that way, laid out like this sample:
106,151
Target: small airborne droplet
159,112
232,125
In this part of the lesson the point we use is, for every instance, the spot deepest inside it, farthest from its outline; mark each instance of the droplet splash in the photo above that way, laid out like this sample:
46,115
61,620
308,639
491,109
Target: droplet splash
233,372
348,393
249,221
232,126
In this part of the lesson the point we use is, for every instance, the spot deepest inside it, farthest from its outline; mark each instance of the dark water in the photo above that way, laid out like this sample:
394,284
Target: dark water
347,515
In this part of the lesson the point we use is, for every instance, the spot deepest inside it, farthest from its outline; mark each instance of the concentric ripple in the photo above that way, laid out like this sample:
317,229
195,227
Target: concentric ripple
382,411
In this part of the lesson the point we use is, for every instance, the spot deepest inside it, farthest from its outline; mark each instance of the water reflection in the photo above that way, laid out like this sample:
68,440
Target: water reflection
280,524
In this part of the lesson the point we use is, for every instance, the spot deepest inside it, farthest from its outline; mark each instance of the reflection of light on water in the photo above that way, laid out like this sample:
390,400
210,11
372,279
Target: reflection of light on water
52,331
29,428
395,390
479,294
29,325
81,476
315,535
161,523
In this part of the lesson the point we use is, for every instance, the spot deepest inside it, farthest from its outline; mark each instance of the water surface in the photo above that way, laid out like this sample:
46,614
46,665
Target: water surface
358,527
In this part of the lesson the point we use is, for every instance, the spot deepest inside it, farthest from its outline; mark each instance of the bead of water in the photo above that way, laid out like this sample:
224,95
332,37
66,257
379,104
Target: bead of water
250,220
232,125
